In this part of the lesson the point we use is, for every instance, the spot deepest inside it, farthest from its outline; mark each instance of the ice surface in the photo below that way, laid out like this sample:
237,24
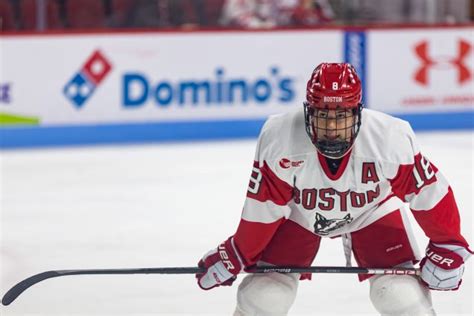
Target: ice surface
166,205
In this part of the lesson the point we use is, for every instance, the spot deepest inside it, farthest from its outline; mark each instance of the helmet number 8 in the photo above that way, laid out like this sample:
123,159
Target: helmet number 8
335,86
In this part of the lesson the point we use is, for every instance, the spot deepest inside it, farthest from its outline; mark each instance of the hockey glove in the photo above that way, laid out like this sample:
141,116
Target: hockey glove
443,266
222,264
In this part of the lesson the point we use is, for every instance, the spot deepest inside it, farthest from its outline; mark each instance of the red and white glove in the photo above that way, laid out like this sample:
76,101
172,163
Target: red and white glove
443,266
222,264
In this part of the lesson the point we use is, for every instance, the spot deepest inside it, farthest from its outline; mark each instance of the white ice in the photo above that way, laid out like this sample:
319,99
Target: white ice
166,205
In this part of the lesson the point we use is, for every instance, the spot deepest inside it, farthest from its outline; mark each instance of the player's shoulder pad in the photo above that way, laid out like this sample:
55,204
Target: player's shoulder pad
386,138
283,135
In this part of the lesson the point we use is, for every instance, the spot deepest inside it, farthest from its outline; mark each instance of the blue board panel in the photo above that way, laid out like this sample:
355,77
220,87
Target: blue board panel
19,137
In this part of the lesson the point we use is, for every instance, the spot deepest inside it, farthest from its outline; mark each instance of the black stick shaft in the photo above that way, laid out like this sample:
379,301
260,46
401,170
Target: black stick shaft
19,288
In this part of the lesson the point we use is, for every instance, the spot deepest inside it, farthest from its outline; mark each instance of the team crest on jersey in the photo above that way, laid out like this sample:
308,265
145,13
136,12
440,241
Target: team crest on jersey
286,163
324,226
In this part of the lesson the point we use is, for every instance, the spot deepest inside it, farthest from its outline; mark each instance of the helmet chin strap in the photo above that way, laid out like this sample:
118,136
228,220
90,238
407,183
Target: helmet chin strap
333,150
325,154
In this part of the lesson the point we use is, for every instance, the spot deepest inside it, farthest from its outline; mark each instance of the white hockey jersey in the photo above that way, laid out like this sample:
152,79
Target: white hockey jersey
291,181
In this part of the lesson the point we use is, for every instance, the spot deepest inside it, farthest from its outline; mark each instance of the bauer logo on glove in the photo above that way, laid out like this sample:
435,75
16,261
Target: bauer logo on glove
443,267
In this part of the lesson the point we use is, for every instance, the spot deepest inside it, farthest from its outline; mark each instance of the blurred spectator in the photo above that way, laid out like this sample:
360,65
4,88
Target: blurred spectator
250,13
192,14
82,14
403,11
139,13
310,12
187,13
39,15
326,9
271,13
472,10
454,11
213,11
440,11
7,22
286,9
119,12
379,11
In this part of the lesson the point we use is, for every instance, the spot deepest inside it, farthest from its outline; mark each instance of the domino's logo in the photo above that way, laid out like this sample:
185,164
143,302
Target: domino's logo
83,84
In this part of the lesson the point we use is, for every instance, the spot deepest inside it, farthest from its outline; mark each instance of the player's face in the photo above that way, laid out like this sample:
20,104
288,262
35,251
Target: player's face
333,125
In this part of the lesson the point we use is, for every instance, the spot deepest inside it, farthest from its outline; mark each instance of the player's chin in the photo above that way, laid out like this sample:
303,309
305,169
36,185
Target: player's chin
333,139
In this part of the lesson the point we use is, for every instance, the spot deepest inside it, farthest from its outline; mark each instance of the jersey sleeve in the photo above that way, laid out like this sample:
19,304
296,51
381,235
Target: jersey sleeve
431,199
266,206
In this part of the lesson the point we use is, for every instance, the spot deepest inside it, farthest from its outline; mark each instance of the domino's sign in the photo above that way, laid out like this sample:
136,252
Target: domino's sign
137,88
153,78
84,82
220,89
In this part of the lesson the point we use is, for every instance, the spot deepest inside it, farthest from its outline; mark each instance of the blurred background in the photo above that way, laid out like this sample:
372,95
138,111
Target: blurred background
128,129
114,71
41,15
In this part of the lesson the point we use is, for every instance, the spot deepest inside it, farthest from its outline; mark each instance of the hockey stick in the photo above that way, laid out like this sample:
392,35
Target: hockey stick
19,288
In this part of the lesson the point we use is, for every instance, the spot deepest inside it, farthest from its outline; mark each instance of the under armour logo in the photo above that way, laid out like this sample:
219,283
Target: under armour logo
421,50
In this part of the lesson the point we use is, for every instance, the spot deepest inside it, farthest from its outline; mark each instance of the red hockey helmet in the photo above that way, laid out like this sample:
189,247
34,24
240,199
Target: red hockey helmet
333,108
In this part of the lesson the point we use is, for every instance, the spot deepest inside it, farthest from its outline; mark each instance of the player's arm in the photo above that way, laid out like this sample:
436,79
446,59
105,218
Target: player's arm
265,208
431,200
433,205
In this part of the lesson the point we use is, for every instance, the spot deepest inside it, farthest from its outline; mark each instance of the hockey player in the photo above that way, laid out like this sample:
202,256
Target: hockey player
333,169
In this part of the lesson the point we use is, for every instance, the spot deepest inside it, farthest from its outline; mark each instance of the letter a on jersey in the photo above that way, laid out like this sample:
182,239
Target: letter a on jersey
369,173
